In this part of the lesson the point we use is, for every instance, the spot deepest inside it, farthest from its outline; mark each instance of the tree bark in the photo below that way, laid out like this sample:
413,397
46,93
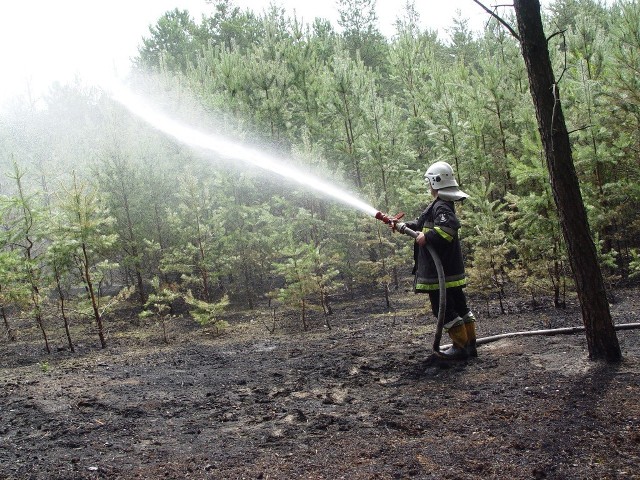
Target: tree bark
94,303
10,332
134,249
601,337
63,313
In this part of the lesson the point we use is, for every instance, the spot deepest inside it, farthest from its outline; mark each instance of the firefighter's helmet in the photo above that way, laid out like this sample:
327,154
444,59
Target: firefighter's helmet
441,178
440,175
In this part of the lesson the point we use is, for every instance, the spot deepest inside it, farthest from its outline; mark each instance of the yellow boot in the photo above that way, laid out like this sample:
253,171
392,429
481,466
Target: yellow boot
470,326
458,333
472,349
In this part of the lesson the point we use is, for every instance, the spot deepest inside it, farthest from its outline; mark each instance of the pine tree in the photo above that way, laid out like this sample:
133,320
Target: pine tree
23,214
87,235
490,243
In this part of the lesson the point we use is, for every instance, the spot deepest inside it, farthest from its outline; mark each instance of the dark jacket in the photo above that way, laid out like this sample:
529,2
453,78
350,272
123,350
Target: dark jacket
440,226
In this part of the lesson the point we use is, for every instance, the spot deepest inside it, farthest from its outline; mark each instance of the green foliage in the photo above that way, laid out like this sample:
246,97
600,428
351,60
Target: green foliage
84,232
23,217
159,304
297,269
542,266
362,38
310,276
173,43
487,234
248,239
207,313
380,255
122,182
14,289
193,256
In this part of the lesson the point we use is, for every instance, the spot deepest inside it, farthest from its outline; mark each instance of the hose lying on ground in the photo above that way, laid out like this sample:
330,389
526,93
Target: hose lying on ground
548,332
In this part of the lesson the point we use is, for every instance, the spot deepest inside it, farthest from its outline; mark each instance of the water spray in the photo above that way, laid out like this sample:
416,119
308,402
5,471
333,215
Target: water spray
228,149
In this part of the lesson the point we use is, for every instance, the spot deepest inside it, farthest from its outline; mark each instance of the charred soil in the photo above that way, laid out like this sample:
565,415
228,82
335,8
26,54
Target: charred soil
355,401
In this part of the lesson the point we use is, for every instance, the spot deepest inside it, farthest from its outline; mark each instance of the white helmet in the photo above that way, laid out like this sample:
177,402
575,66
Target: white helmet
441,177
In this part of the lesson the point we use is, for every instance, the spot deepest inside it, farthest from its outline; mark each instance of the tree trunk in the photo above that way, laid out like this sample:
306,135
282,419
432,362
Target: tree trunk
247,286
39,320
63,312
134,249
10,333
92,295
203,265
601,337
303,313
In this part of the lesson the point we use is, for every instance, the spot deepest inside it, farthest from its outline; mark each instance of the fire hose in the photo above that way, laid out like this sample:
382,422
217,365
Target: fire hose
401,227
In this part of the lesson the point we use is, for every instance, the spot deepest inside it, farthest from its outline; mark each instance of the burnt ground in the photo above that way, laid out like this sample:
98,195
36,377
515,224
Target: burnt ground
353,402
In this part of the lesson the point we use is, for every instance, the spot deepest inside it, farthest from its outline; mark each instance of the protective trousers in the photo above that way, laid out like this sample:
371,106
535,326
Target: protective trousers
456,303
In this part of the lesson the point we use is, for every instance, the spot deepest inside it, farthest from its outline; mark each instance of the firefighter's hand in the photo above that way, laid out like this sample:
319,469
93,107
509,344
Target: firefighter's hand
421,239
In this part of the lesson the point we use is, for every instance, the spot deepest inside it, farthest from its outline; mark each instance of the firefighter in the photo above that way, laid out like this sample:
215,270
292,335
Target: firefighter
438,225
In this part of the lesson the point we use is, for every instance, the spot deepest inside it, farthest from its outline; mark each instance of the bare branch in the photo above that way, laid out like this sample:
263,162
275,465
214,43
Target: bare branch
497,17
579,129
564,43
559,32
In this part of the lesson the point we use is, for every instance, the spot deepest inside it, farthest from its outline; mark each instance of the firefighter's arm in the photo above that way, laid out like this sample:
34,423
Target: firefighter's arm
412,224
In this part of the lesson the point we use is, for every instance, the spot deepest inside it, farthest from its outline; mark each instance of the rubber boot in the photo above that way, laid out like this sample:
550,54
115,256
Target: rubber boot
470,326
457,351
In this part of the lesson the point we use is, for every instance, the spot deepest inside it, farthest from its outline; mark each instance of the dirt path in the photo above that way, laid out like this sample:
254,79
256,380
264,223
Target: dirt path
355,402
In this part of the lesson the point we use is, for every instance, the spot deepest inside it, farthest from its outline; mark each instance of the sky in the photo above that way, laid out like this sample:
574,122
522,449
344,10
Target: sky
44,41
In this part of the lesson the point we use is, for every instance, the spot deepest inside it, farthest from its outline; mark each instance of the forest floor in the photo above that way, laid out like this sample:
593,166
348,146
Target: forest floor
355,401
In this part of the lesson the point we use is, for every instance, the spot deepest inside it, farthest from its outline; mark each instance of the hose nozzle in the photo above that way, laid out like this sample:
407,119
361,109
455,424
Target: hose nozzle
389,220
395,224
